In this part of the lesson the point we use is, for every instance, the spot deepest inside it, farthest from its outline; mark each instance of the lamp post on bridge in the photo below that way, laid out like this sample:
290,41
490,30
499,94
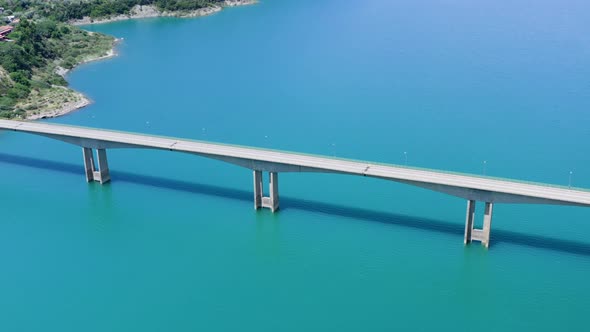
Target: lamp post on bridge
485,162
569,183
406,158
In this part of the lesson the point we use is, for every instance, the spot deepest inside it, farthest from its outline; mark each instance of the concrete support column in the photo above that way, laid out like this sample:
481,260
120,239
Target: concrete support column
469,221
475,234
100,174
274,191
88,164
487,224
103,167
258,193
269,202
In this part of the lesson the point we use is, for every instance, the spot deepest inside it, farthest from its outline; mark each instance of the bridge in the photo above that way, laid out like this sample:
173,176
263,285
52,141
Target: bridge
472,188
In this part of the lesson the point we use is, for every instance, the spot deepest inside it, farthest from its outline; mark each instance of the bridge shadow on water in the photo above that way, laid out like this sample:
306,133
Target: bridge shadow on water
498,235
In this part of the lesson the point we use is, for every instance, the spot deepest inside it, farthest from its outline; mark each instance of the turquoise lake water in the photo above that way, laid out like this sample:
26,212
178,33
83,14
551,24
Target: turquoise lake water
173,242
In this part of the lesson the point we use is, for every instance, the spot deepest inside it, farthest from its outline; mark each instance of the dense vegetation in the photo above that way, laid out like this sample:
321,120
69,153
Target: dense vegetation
29,62
66,10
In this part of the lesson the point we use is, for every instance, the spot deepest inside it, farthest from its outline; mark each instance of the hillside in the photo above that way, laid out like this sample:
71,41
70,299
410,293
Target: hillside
68,10
31,62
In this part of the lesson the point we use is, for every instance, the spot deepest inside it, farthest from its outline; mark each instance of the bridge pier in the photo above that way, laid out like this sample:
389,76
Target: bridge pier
469,221
93,173
272,201
475,234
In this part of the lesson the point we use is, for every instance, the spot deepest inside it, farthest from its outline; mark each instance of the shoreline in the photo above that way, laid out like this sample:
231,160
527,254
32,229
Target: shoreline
81,100
143,12
110,54
65,109
150,11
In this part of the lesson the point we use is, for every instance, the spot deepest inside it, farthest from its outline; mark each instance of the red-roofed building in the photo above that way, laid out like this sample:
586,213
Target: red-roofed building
5,30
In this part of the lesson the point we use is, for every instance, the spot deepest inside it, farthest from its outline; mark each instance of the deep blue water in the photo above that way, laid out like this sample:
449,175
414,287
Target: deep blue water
173,242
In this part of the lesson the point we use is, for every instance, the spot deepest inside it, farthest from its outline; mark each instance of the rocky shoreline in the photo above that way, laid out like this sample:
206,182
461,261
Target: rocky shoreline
150,11
66,108
76,100
110,54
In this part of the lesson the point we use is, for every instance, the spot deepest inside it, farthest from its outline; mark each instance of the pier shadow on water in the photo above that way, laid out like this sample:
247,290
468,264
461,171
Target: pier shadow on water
433,225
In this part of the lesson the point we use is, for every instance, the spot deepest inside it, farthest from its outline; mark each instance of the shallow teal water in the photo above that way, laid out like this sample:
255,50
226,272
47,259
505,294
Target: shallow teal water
173,243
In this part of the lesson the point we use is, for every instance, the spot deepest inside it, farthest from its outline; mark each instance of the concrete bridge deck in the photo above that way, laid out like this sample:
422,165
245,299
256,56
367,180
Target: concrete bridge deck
470,187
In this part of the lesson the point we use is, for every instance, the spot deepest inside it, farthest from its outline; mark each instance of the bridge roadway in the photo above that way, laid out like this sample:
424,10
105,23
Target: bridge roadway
470,187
